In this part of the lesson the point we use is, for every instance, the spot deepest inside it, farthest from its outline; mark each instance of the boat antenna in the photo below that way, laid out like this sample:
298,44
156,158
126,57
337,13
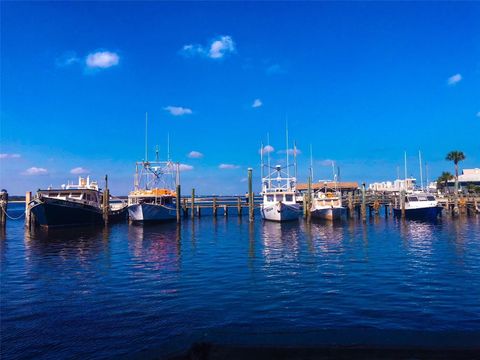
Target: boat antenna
168,146
295,159
286,135
311,162
268,161
420,164
261,161
156,153
426,175
146,137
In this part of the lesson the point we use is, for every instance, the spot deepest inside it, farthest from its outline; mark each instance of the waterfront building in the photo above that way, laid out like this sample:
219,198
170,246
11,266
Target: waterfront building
469,177
395,186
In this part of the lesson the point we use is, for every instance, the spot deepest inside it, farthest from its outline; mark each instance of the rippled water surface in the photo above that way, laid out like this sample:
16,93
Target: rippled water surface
106,292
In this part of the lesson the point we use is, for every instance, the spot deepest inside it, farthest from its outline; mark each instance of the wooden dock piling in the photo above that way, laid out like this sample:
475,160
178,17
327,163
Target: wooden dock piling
250,196
214,206
402,203
3,207
106,201
239,206
177,203
192,204
363,208
28,213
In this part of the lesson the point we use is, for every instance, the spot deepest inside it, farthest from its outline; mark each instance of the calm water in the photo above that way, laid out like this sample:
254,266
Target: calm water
101,293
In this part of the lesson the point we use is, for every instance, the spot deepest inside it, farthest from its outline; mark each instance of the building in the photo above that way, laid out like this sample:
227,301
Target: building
343,187
395,186
469,177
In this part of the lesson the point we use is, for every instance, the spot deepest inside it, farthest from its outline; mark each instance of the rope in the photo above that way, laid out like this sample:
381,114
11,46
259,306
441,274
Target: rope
11,217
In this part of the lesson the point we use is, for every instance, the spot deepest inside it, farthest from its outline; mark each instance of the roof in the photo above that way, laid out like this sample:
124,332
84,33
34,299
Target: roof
330,184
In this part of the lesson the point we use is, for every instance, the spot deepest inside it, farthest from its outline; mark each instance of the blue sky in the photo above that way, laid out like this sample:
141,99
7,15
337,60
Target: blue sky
361,82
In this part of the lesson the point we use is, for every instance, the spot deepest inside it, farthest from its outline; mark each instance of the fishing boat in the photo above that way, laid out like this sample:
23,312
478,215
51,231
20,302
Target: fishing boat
279,191
278,194
72,204
327,205
153,197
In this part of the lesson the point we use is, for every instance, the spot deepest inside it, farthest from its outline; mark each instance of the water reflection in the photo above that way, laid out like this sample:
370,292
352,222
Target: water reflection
81,243
417,236
281,240
157,246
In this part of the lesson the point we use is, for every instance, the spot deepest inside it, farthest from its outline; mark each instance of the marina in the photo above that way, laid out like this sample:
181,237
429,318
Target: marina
154,290
260,180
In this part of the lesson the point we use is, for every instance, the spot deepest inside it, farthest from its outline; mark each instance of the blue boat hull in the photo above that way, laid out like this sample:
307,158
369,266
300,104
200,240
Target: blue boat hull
429,213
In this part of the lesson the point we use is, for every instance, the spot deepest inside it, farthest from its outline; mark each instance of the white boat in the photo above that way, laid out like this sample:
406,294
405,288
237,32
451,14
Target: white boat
279,190
418,205
154,194
153,198
279,197
327,205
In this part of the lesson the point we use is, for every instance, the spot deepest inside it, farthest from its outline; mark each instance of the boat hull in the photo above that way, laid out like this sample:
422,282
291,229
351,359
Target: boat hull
118,215
426,213
330,213
58,213
151,212
280,212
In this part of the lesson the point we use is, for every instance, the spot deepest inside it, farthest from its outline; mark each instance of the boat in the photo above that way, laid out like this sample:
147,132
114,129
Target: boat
279,199
153,197
419,205
327,205
279,191
72,204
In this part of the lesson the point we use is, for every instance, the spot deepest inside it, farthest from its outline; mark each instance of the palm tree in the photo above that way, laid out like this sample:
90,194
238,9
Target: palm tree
456,157
442,181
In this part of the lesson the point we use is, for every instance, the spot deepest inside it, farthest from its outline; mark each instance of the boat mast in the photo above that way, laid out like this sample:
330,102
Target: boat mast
268,162
420,164
286,135
156,153
295,159
405,164
426,175
168,146
146,137
311,163
261,162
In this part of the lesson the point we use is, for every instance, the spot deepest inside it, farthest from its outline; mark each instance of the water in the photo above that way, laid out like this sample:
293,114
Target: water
103,293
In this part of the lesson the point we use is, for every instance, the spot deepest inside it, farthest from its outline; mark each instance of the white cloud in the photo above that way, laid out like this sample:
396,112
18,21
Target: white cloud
290,151
216,49
195,155
326,162
185,167
228,166
219,48
244,179
452,80
257,103
10,156
177,110
275,69
79,170
478,114
35,171
66,59
102,59
266,149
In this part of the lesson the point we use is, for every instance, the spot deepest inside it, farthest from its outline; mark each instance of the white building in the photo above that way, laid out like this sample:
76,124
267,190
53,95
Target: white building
467,178
395,186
